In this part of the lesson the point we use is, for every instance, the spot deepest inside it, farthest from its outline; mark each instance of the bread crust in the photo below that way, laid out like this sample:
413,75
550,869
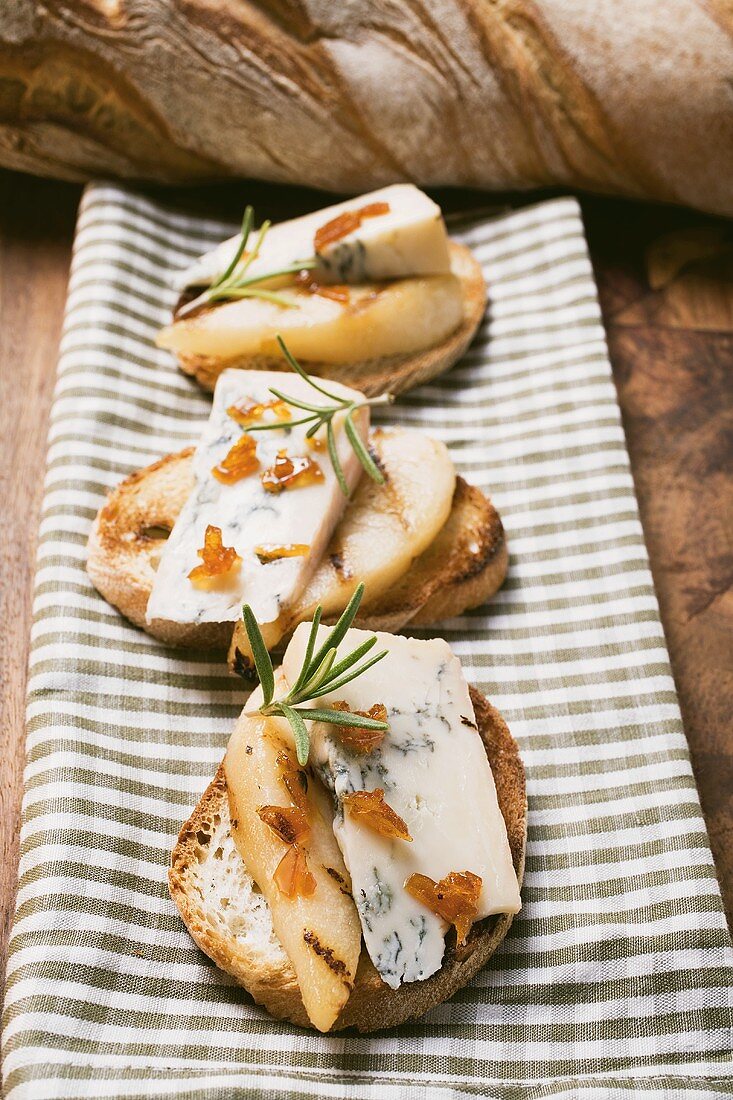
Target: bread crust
394,374
624,97
463,568
372,1006
123,548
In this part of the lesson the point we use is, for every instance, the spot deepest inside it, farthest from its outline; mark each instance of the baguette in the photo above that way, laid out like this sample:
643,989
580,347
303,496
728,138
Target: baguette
623,97
394,374
230,921
464,567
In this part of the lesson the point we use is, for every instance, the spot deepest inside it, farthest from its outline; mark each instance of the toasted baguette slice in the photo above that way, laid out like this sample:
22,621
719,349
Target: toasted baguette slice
463,568
230,921
394,374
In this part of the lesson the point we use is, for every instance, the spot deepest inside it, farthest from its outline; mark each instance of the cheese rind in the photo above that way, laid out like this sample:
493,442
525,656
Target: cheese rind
248,515
434,771
408,240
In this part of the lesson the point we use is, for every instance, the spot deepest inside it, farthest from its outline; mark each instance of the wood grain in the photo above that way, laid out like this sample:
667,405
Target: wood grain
36,230
666,287
665,291
618,96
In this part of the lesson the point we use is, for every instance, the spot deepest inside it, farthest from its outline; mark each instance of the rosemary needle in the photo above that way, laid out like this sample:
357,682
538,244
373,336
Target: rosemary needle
319,675
234,281
320,415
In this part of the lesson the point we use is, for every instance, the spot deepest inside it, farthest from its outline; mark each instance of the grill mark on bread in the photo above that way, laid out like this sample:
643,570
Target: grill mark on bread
489,549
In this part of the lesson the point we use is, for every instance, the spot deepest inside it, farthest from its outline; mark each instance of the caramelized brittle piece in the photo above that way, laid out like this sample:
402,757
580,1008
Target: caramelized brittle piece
316,442
370,808
254,411
293,778
292,877
359,740
216,559
454,898
291,473
270,551
289,823
306,280
346,223
241,461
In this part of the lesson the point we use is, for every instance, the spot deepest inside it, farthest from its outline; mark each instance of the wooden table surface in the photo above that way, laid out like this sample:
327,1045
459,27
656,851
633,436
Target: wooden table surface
666,284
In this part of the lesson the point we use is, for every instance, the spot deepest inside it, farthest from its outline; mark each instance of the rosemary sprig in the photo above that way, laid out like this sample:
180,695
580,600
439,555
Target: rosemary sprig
320,674
323,415
234,283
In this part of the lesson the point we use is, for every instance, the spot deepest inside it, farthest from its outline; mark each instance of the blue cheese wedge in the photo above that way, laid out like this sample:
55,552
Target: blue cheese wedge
251,519
433,769
408,239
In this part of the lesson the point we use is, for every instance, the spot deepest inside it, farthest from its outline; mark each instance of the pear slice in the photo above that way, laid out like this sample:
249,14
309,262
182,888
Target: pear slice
384,528
320,933
373,320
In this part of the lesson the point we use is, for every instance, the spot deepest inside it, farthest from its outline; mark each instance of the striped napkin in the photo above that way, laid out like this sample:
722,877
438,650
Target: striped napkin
616,978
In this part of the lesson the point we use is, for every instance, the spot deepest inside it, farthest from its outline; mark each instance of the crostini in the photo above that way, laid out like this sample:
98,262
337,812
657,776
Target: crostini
290,500
357,875
370,292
